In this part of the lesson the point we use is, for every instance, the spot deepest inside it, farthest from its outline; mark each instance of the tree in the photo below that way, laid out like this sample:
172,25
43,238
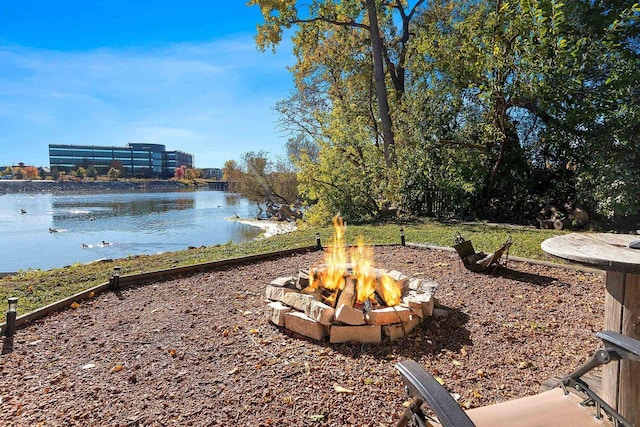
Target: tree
92,172
350,74
232,173
180,172
113,173
31,172
529,87
18,173
191,173
264,181
117,164
323,25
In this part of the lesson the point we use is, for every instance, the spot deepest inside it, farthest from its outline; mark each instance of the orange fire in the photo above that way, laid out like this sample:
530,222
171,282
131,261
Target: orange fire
333,273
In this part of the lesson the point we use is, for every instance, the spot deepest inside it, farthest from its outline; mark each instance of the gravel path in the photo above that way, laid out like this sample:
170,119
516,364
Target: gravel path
198,351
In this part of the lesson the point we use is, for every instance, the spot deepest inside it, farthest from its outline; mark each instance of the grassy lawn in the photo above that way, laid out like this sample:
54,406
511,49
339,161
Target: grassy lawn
37,288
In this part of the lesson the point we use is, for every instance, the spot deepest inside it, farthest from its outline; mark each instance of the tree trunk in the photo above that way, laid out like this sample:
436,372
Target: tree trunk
510,138
381,87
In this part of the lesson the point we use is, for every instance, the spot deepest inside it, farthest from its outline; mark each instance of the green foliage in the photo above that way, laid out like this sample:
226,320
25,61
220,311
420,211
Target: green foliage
113,173
346,178
488,99
262,180
91,172
18,173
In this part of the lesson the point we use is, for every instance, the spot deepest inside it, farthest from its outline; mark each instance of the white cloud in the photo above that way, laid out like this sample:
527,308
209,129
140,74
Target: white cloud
205,98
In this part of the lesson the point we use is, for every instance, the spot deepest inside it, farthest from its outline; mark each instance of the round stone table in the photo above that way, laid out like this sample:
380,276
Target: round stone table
611,252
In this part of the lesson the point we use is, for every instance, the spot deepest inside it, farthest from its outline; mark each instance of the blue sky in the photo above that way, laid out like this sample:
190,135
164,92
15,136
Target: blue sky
185,74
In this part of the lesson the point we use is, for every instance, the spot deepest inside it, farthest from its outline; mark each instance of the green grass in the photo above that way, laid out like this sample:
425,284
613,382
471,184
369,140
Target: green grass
37,288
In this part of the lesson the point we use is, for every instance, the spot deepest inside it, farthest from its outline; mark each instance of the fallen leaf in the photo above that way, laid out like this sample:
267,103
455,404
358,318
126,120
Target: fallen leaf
341,389
316,418
287,400
117,368
75,305
253,331
455,362
172,352
524,365
476,394
234,371
89,366
246,313
440,380
481,373
92,294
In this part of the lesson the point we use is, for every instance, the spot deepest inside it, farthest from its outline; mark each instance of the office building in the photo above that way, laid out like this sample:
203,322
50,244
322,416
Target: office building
135,159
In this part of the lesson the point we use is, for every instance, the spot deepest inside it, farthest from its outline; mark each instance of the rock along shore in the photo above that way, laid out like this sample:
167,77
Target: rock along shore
47,186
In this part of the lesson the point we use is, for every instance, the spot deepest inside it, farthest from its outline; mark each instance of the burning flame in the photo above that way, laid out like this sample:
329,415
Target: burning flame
332,275
389,290
362,260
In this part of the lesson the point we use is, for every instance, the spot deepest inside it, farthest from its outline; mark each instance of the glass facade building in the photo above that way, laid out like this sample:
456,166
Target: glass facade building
136,159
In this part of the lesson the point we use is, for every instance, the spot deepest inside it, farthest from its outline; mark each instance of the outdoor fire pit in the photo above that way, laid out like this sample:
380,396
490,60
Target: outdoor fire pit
347,299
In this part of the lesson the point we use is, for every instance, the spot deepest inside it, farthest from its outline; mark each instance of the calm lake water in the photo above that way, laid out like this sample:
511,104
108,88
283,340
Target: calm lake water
128,223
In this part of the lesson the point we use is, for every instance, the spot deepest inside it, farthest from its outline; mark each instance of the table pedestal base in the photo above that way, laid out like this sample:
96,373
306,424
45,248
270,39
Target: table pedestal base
620,380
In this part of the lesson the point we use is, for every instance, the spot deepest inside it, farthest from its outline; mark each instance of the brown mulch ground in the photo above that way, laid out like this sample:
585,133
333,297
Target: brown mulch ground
198,350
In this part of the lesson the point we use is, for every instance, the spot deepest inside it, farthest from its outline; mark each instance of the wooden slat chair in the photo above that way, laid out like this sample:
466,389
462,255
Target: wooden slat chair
571,404
479,261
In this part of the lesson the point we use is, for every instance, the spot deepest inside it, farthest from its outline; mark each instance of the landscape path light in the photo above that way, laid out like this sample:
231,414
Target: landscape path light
402,237
11,317
115,279
318,243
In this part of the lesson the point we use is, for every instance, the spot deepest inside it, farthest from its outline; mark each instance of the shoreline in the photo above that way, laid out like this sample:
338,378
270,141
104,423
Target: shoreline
270,227
68,187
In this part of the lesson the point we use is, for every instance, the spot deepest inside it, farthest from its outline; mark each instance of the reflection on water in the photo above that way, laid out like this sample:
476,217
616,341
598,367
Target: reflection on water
59,230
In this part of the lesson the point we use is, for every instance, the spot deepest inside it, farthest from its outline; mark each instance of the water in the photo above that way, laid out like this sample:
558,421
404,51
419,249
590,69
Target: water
127,223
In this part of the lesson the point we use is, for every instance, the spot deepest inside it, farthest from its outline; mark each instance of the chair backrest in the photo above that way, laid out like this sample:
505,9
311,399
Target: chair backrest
463,247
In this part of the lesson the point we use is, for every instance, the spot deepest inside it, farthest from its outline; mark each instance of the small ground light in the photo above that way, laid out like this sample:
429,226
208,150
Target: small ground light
115,278
318,243
402,241
11,317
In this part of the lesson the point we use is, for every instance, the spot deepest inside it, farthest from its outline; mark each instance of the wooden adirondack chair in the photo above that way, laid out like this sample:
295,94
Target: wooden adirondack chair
479,261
